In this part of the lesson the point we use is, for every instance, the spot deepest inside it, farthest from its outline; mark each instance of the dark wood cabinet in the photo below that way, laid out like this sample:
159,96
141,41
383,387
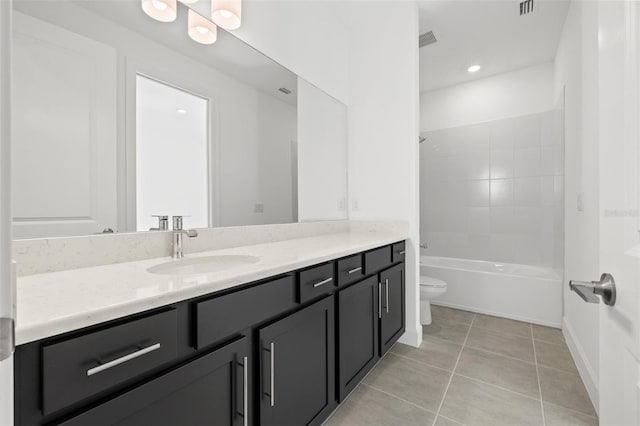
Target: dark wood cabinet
211,389
357,333
392,318
298,367
219,317
275,352
91,363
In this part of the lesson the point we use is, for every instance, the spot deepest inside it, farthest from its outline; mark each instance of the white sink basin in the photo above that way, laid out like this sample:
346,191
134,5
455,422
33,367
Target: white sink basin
202,265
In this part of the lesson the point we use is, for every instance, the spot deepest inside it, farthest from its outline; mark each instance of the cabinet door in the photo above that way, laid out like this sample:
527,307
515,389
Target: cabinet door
212,390
298,372
392,323
357,333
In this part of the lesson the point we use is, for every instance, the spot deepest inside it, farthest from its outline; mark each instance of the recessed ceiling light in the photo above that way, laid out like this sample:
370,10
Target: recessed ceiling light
473,68
181,111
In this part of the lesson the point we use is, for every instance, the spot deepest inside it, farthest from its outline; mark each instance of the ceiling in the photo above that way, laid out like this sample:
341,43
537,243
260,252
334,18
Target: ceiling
491,34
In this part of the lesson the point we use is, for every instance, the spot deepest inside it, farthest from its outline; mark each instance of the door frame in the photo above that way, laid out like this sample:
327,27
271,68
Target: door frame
127,154
6,273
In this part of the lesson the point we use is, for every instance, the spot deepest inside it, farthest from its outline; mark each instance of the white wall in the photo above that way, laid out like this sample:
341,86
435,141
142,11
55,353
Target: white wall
494,191
322,155
6,291
383,127
576,66
520,92
308,37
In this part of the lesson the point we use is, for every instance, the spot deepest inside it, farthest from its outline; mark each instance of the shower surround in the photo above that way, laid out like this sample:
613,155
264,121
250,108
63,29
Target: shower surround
494,191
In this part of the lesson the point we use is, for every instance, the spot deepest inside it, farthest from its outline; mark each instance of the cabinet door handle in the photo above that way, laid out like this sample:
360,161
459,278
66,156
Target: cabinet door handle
386,287
354,270
245,393
273,376
121,360
323,282
402,252
379,300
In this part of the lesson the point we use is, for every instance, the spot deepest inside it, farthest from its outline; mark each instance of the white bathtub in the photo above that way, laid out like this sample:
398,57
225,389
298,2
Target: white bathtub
521,292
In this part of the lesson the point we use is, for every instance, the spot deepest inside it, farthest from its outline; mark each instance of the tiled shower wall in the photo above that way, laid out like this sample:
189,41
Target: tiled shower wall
494,191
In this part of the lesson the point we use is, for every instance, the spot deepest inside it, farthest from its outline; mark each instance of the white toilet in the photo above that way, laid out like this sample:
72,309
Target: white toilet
430,288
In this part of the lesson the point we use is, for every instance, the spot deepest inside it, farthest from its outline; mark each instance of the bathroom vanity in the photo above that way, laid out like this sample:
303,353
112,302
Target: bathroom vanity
280,350
266,321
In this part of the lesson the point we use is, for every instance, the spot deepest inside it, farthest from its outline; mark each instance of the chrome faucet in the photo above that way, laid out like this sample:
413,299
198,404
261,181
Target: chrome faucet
178,234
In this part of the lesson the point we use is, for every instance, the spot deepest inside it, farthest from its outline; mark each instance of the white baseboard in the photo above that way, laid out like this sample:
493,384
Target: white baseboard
585,369
412,337
496,313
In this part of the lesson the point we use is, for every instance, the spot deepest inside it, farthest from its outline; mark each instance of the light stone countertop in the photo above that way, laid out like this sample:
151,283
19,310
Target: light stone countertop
52,303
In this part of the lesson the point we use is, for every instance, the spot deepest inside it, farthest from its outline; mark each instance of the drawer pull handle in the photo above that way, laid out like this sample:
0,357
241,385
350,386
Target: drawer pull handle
354,270
273,378
245,393
323,282
379,300
402,252
121,360
386,286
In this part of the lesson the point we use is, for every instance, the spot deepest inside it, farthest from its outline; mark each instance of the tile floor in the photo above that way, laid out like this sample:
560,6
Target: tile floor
473,369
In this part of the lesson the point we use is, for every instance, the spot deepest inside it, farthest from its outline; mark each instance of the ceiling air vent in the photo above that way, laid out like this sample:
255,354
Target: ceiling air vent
526,7
428,38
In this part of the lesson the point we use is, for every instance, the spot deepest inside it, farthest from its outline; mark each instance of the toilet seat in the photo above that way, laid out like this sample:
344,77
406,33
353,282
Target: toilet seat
432,282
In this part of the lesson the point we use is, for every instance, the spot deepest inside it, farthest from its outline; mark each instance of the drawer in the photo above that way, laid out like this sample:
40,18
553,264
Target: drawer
83,366
376,260
315,281
223,316
398,251
350,269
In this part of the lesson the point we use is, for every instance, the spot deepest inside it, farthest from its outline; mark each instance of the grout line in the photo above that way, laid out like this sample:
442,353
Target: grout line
571,409
561,370
475,348
535,357
451,420
473,379
421,362
396,397
442,339
550,343
500,332
446,390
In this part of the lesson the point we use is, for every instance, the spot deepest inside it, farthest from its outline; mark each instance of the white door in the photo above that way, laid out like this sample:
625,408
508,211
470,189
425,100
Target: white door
619,78
63,131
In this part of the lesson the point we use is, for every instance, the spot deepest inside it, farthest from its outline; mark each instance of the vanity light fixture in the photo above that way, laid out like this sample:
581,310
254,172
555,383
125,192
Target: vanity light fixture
189,1
226,14
161,10
473,68
201,29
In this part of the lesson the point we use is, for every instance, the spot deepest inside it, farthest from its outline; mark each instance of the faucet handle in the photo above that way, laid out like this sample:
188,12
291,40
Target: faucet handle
177,223
163,222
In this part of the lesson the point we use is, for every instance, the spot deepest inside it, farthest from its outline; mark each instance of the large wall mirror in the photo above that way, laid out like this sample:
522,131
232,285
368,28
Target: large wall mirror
118,118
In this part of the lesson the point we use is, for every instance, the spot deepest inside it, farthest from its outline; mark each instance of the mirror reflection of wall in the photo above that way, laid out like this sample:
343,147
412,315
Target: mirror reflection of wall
172,152
92,150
